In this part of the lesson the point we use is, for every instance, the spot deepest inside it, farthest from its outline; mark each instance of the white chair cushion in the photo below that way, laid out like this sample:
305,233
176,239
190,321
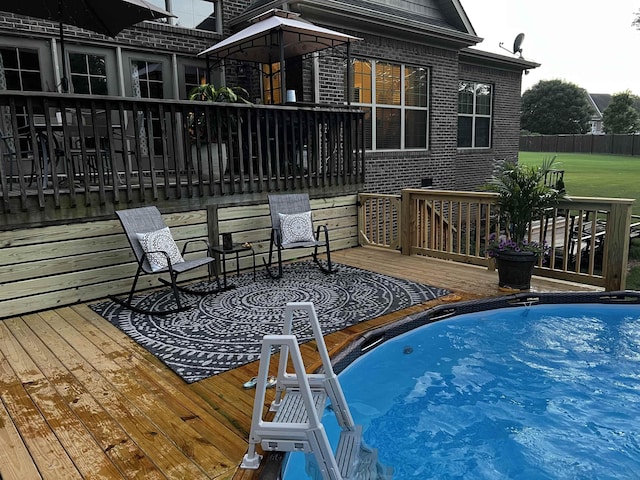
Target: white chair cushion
160,240
296,227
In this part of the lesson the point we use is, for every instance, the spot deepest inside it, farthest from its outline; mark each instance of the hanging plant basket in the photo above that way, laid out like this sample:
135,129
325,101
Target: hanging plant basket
515,269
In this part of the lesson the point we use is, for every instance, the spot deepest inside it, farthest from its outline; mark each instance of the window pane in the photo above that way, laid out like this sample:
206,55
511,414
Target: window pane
198,14
13,80
465,131
483,99
416,86
97,65
29,60
387,84
80,84
415,130
482,132
388,128
99,86
31,81
9,57
271,84
361,81
465,97
78,63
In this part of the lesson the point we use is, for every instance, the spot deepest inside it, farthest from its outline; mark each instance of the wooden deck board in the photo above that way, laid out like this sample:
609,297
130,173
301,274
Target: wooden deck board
80,399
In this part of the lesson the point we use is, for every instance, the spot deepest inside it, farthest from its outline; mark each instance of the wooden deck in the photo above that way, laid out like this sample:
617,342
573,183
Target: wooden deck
80,399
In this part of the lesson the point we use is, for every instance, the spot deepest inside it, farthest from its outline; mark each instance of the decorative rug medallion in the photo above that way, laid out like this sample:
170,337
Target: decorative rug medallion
225,330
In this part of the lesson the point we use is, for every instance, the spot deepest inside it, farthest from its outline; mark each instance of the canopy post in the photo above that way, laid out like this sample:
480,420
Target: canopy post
348,73
283,79
64,83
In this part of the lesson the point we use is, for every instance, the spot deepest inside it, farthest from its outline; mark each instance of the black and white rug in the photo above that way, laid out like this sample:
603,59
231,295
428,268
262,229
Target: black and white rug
224,331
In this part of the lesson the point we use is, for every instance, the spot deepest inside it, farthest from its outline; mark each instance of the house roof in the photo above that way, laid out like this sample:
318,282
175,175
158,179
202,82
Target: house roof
442,21
495,60
600,101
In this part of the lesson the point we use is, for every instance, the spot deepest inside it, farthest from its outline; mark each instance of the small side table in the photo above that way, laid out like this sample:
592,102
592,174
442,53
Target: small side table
237,248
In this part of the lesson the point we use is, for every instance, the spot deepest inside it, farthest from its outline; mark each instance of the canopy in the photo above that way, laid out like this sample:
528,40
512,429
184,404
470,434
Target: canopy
275,36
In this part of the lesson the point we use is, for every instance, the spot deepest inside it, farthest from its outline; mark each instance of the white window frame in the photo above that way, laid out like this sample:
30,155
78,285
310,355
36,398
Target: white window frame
402,108
475,115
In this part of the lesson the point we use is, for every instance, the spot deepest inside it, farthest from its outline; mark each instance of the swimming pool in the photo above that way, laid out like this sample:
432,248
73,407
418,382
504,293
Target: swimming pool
534,392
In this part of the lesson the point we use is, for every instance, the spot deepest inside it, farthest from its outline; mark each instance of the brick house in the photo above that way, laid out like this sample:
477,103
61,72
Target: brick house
437,112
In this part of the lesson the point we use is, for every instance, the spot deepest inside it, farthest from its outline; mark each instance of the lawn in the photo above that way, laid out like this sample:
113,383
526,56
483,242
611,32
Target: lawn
587,175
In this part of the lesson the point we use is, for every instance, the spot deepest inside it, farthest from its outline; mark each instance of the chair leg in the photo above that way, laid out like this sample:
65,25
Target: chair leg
268,264
128,302
329,268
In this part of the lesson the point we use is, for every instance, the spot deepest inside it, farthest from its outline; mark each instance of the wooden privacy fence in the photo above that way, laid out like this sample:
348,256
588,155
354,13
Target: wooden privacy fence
619,144
587,238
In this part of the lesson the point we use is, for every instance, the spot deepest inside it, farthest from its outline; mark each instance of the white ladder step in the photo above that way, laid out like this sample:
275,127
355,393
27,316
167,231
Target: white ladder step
292,409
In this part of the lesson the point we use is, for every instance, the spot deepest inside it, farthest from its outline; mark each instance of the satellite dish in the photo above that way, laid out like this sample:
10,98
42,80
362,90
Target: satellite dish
517,44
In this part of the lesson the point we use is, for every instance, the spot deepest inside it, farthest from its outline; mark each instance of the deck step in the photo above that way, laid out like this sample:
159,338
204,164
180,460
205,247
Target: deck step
292,409
355,460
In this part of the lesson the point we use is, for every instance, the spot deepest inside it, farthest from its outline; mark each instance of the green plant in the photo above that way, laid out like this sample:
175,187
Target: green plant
522,197
200,120
207,92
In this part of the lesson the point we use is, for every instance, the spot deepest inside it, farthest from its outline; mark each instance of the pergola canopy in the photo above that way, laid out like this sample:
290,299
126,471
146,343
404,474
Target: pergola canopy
275,36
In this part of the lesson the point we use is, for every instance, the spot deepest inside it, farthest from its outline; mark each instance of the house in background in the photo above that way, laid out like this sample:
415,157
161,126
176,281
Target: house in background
599,102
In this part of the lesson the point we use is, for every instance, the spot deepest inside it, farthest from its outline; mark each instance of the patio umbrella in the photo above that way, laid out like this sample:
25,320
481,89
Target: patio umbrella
108,17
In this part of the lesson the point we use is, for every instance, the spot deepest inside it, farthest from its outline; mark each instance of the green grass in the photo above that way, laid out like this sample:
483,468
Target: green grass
588,175
609,176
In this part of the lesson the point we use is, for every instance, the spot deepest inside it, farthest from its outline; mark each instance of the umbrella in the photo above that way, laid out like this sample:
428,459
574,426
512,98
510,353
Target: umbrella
108,17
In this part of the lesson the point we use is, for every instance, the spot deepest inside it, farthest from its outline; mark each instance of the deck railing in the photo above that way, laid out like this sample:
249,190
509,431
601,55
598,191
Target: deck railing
62,151
588,238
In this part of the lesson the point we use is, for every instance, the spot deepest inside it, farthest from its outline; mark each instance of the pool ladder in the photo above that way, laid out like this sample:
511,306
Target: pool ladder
299,402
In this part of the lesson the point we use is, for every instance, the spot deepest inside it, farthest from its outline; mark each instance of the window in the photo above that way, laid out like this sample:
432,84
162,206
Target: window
147,79
474,115
88,73
271,89
194,77
397,97
147,82
197,14
21,69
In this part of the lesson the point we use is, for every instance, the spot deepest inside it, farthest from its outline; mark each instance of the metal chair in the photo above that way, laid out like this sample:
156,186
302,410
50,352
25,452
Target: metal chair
141,222
295,206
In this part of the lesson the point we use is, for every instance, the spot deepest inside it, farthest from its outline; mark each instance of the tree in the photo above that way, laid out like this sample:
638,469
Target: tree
636,22
621,116
555,106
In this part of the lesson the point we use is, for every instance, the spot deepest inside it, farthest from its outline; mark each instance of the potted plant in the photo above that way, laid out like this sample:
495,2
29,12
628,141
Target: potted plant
523,196
204,128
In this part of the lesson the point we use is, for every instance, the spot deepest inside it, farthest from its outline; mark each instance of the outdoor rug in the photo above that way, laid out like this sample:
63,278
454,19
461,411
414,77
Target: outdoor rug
225,330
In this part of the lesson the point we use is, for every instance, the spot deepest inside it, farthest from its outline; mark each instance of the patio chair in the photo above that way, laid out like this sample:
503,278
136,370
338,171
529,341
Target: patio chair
292,227
156,252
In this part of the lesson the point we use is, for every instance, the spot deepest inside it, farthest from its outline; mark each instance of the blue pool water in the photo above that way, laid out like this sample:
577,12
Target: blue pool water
542,392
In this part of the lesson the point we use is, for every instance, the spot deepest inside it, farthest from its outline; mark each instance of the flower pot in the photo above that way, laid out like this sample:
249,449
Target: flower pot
515,269
204,160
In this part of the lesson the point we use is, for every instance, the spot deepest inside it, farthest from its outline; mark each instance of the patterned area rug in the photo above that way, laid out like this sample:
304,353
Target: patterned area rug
224,331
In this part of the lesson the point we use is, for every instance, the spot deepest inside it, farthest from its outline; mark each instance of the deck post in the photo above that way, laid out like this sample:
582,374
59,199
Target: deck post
617,248
407,222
